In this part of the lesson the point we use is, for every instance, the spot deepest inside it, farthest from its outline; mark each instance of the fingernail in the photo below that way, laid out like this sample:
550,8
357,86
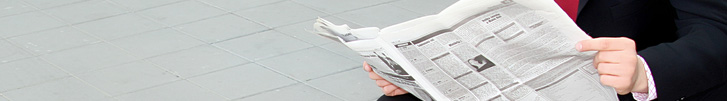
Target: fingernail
579,46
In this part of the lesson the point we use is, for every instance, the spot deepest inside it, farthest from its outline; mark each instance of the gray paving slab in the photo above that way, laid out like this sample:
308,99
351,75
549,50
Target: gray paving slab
156,42
263,45
9,52
379,16
191,9
86,11
67,89
128,77
53,40
198,60
255,79
338,6
221,28
235,5
298,92
89,58
303,30
309,63
27,72
175,91
351,85
281,13
2,98
12,7
45,4
26,23
143,4
119,26
427,7
341,49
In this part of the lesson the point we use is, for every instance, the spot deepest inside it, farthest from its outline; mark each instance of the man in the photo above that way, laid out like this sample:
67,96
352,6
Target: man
663,49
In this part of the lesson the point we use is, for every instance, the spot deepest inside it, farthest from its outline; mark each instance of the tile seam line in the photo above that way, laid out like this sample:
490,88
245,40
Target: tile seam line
410,10
18,13
270,3
339,54
214,71
38,9
291,77
38,83
260,23
18,47
338,72
147,8
265,91
364,7
65,23
59,50
235,14
346,11
57,6
146,88
303,82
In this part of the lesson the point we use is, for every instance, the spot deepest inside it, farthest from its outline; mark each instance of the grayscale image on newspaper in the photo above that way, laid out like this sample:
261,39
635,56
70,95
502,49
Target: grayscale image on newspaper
481,50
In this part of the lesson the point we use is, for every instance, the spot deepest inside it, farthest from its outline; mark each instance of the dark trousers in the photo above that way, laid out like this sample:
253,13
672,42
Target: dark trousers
405,97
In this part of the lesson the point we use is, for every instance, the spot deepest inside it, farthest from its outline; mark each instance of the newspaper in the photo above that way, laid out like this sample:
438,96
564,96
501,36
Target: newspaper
481,50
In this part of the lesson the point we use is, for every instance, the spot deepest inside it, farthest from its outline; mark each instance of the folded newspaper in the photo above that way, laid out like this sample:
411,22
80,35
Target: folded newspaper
481,50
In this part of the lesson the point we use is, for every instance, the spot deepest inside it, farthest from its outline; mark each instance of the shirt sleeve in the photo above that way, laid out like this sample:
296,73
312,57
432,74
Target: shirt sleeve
646,96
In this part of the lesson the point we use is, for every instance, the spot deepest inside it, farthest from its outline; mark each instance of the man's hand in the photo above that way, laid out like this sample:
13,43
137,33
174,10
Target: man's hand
617,63
386,86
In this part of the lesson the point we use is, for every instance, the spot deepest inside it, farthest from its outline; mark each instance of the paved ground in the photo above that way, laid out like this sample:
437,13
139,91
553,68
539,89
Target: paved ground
198,50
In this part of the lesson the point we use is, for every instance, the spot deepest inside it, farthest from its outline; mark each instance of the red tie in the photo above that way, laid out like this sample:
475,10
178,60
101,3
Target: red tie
570,7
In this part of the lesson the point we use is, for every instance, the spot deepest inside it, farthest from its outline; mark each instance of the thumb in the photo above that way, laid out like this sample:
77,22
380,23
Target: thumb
366,66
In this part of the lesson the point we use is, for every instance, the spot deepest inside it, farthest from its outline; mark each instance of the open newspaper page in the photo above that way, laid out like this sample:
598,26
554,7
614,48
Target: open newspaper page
485,50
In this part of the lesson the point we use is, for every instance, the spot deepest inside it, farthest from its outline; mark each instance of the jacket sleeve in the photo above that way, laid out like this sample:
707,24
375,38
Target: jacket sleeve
697,61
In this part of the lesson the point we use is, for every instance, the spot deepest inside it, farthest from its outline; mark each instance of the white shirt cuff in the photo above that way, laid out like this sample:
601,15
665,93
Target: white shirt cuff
646,96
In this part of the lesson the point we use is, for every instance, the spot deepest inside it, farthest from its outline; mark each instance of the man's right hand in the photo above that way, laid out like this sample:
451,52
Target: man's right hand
386,86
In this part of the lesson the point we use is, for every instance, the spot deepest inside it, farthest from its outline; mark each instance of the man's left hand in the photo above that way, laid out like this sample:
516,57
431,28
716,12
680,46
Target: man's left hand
617,63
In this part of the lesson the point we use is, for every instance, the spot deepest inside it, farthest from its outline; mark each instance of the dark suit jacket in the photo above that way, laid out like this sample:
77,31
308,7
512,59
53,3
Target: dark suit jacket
684,42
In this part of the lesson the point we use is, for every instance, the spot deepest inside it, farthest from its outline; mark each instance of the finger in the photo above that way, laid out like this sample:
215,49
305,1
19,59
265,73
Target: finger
383,90
607,57
382,83
399,92
605,44
610,69
366,66
616,56
388,90
375,76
